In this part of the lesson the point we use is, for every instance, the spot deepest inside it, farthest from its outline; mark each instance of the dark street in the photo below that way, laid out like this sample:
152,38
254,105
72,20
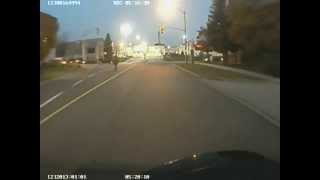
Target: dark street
148,115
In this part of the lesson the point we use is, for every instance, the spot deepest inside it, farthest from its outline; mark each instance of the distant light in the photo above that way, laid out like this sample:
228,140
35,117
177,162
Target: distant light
126,29
194,156
168,47
184,37
167,8
138,38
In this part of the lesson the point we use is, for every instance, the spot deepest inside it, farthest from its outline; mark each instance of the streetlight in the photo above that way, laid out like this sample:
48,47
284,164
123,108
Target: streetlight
125,29
166,9
138,38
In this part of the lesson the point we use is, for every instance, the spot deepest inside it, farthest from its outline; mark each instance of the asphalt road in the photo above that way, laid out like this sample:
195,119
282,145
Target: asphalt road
146,116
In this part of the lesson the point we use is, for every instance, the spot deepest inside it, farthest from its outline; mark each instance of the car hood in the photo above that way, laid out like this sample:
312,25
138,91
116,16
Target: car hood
219,165
216,165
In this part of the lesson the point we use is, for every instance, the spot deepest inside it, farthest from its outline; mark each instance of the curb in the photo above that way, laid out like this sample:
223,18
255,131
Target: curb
242,101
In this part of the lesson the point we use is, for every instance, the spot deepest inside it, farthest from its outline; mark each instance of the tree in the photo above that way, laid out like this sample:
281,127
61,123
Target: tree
108,47
217,26
255,26
202,43
62,45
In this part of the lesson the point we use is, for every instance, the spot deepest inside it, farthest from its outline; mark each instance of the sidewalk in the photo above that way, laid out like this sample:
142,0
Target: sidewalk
250,73
262,96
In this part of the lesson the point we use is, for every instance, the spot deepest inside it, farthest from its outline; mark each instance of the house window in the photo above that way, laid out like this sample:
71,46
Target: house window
91,50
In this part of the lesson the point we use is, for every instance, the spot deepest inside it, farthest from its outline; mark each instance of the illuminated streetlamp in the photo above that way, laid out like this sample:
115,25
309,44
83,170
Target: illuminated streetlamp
126,29
121,44
166,9
138,38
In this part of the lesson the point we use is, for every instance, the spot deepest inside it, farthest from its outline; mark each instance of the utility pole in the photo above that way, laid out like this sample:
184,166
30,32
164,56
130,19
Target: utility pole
185,35
159,41
161,31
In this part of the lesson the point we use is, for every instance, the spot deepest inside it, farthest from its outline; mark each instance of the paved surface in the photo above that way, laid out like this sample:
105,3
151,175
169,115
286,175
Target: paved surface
150,114
262,96
242,71
91,73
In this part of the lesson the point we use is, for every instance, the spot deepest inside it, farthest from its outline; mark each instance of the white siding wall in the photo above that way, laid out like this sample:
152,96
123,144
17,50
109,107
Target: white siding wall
99,48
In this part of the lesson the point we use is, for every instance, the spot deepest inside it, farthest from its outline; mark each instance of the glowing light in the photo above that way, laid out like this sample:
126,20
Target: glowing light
167,8
126,29
138,38
144,43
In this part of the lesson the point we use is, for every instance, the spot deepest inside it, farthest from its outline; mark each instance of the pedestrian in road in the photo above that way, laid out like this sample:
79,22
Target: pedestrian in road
192,55
115,62
201,56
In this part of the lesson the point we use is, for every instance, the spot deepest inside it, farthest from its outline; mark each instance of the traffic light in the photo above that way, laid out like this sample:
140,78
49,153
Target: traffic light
161,29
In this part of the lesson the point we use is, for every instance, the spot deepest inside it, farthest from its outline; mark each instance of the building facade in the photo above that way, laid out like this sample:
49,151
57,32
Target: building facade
92,49
86,50
48,32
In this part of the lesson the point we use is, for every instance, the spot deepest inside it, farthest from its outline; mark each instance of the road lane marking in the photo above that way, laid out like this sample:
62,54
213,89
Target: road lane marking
91,75
77,83
187,71
83,95
50,100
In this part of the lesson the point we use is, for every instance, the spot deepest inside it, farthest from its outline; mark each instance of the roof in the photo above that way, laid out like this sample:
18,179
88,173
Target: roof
48,24
92,42
45,15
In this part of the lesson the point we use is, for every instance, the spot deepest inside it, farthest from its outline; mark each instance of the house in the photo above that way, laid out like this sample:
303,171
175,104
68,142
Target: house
89,50
73,50
92,49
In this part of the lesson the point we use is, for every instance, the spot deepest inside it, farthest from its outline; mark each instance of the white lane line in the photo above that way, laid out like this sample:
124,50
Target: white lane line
84,94
187,71
51,99
91,75
77,83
